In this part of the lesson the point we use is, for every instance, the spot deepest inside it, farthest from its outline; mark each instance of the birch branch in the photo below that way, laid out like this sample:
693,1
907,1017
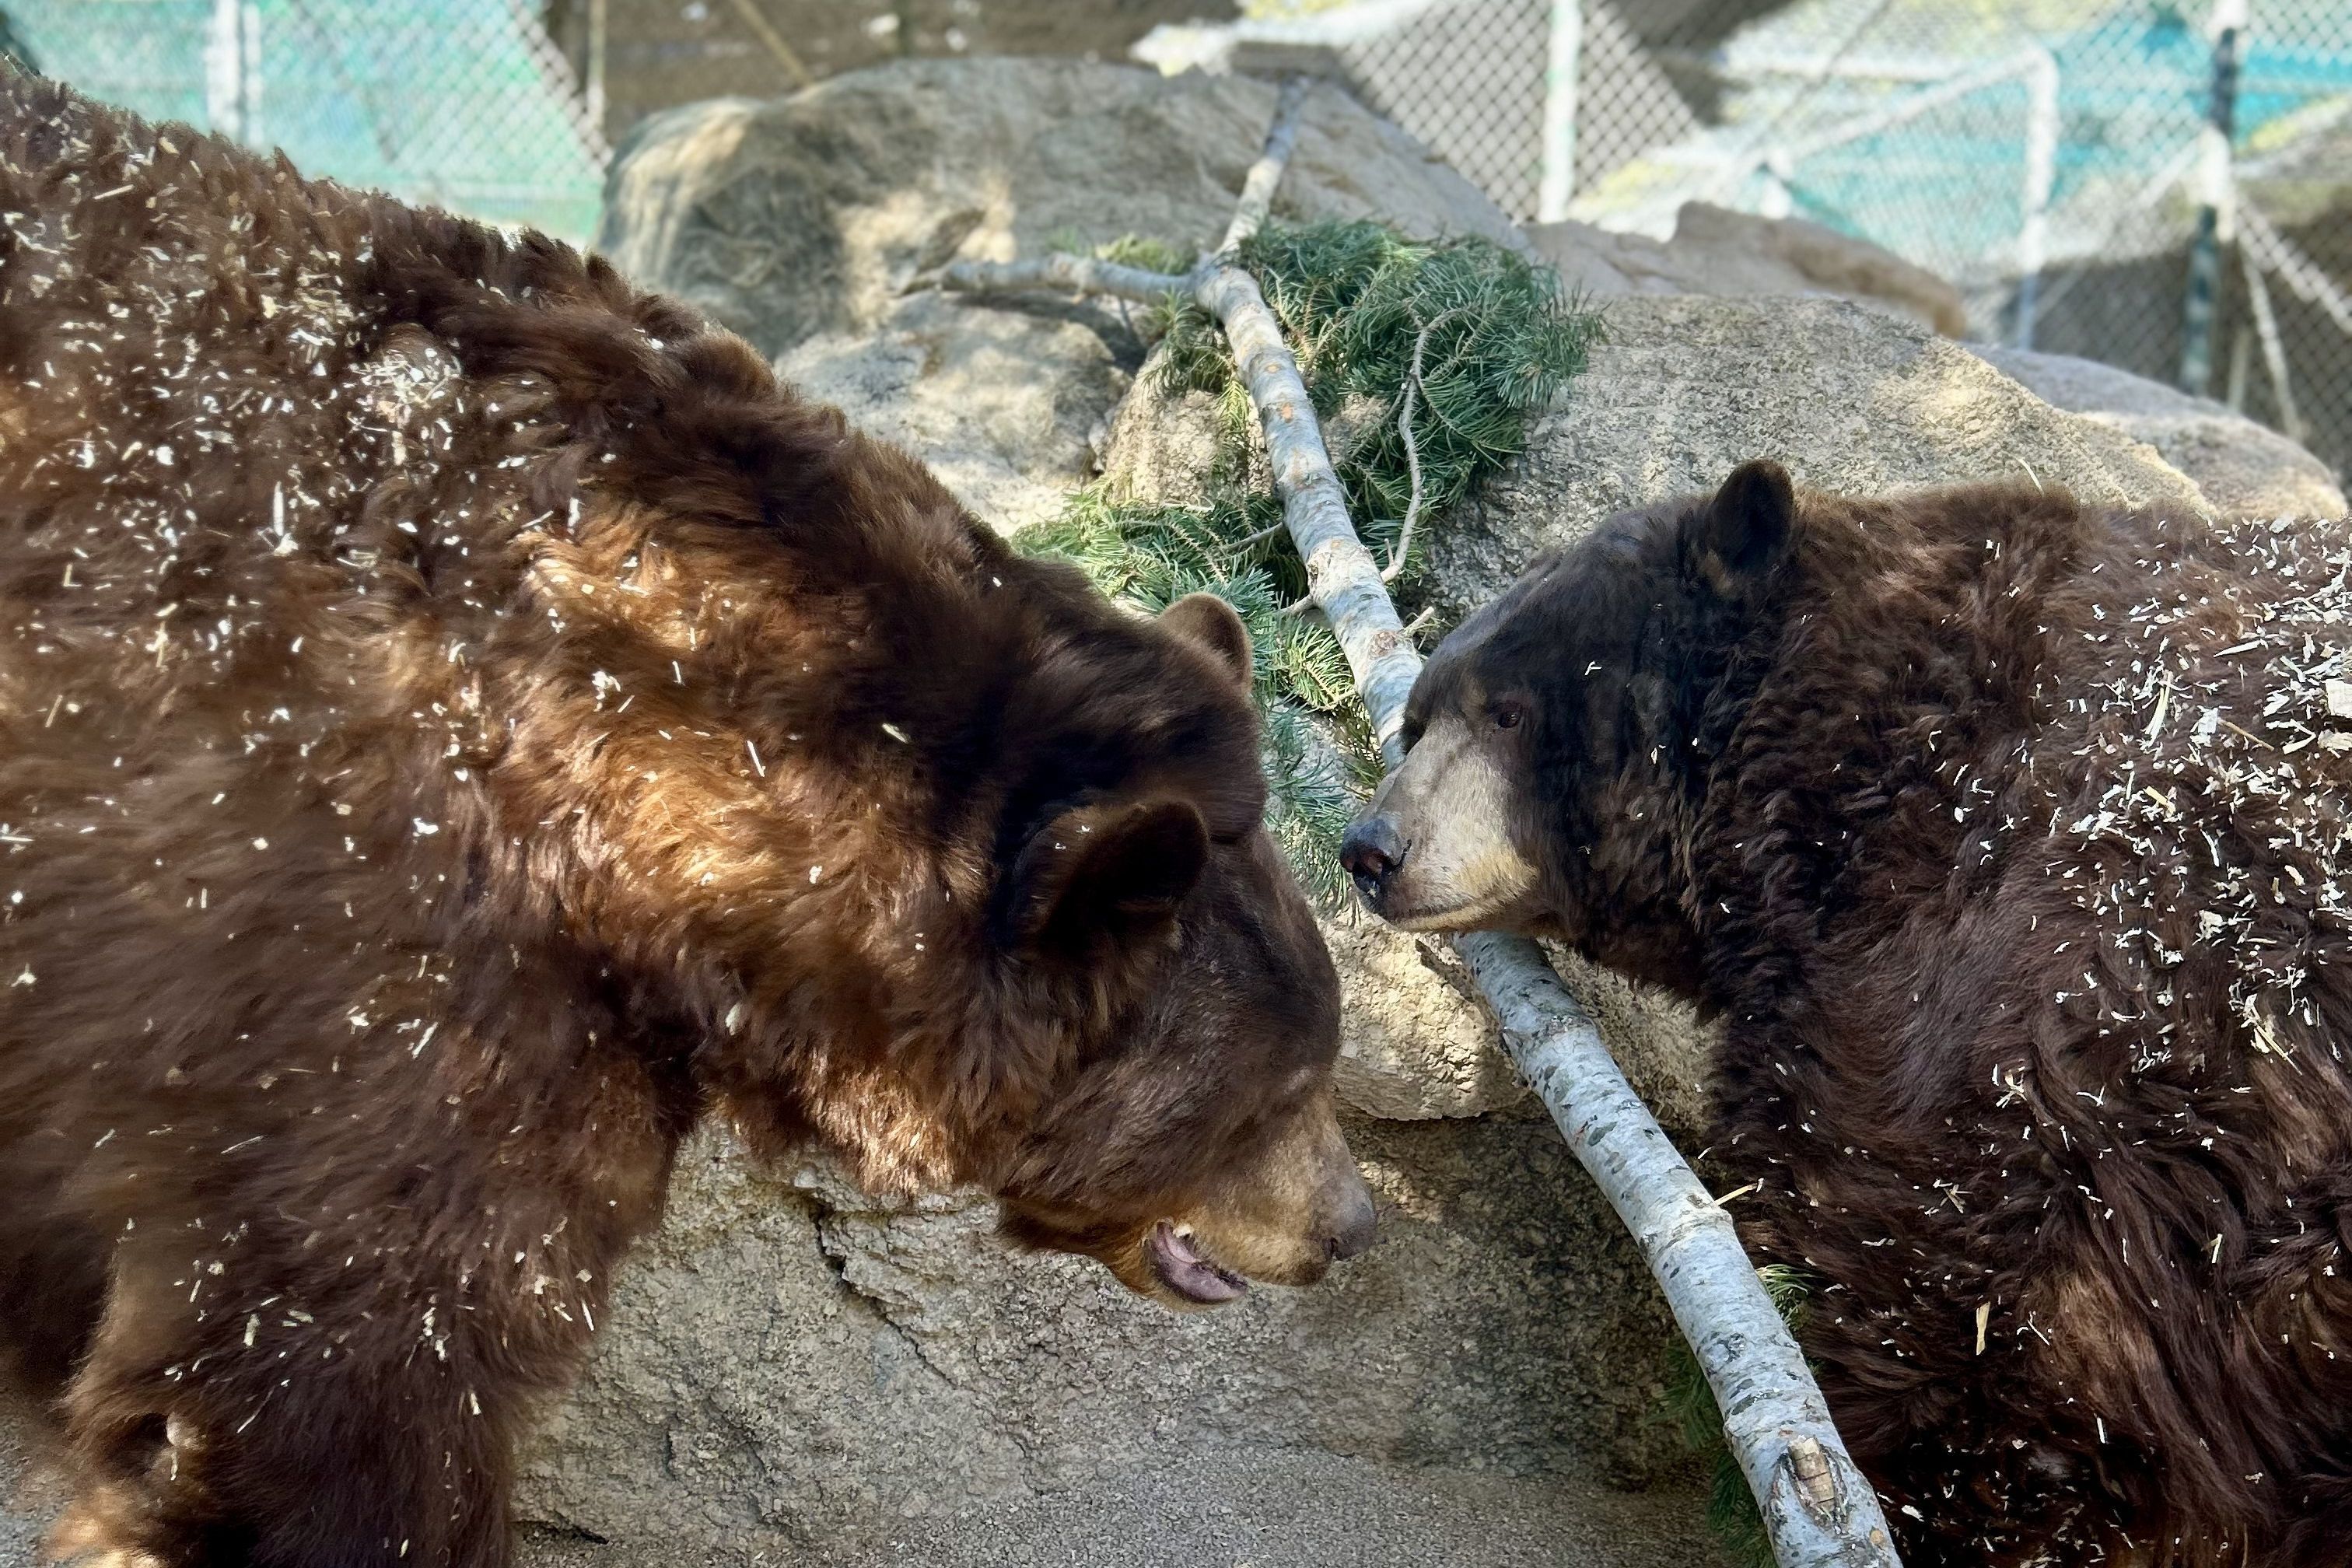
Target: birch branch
1817,1510
1266,176
1405,402
1060,272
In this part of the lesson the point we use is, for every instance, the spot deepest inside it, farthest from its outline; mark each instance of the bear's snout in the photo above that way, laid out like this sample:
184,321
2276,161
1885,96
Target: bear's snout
1352,1222
1371,853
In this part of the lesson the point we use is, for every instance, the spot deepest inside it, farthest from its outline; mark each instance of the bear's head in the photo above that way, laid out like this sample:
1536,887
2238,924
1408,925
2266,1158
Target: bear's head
1192,1144
992,903
1558,740
917,849
1045,946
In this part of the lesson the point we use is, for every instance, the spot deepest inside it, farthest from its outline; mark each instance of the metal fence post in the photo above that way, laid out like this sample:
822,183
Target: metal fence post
2216,217
2041,173
599,27
1560,110
2275,361
228,62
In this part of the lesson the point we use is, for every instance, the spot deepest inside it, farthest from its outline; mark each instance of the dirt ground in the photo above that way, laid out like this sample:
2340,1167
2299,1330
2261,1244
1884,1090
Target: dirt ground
1229,1509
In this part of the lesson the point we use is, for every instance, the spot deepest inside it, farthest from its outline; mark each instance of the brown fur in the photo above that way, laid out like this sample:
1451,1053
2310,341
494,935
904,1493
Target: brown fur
460,723
2010,835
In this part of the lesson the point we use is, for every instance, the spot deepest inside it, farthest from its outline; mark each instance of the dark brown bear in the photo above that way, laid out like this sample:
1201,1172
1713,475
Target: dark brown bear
461,724
2008,836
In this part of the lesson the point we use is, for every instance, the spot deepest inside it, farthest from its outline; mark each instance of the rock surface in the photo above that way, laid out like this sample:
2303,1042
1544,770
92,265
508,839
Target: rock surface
798,221
1247,1506
1684,389
1002,404
788,216
26,1503
2240,466
790,1365
1715,251
1212,1507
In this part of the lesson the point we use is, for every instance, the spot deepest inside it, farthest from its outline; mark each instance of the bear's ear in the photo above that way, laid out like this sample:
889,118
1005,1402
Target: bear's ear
1733,542
1115,871
1207,621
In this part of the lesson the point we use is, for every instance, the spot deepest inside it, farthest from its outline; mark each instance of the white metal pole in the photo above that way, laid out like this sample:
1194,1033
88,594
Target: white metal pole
224,69
2041,172
1559,110
2266,327
597,28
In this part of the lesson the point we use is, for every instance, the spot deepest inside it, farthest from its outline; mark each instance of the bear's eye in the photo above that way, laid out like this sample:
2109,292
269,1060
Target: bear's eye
1507,716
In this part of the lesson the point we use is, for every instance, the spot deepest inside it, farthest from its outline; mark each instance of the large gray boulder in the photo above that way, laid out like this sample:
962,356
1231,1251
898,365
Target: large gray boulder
789,216
2242,467
1684,388
1715,251
799,221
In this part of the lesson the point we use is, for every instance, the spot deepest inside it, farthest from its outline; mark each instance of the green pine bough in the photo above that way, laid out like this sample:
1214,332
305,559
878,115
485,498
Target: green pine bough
1431,357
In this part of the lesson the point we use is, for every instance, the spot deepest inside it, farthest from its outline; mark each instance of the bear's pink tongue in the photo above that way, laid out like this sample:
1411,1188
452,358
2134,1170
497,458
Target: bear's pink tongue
1186,1272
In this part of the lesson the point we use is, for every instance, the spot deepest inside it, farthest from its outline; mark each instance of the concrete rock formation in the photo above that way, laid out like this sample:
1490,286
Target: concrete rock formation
1850,399
2240,466
1717,251
798,222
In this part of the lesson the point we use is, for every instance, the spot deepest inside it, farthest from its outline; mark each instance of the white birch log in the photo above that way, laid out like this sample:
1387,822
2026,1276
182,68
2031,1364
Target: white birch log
1062,273
1817,1510
1265,176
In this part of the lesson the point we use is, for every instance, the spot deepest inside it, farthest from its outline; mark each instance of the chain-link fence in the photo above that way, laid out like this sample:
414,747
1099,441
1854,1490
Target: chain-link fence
2053,158
506,110
466,104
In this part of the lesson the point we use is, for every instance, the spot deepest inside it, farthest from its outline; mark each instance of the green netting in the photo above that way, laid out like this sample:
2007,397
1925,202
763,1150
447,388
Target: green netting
462,104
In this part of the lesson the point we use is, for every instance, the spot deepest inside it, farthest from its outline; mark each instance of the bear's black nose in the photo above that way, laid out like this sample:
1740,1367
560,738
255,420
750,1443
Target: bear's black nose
1371,853
1352,1233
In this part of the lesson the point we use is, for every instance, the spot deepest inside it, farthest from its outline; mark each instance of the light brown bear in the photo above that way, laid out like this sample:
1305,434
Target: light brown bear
462,724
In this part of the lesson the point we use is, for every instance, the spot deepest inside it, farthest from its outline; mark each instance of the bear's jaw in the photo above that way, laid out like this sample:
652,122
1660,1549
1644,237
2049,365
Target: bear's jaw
1507,911
1176,1257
